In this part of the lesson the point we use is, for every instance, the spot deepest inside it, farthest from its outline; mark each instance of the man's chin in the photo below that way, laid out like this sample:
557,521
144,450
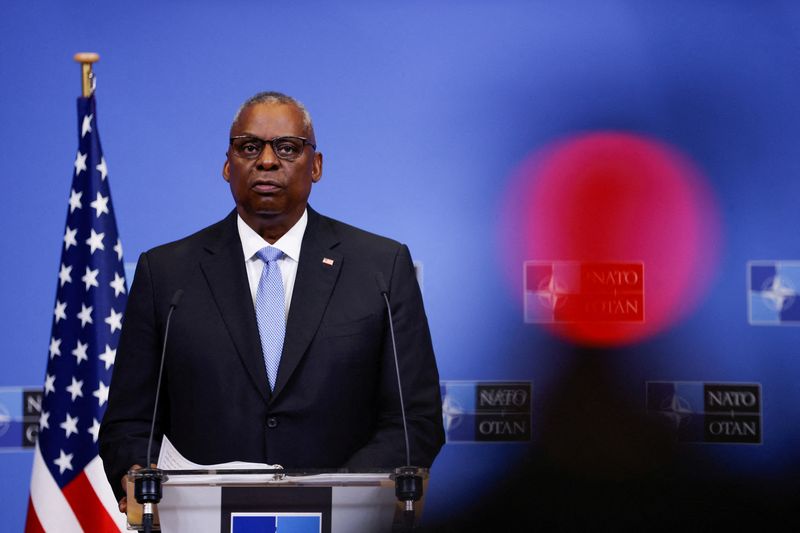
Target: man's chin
264,210
269,209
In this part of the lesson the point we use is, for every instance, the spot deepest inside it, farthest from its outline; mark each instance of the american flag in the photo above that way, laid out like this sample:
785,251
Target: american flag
69,490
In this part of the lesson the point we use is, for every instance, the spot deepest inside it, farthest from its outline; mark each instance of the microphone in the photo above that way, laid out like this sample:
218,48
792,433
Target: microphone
147,483
407,481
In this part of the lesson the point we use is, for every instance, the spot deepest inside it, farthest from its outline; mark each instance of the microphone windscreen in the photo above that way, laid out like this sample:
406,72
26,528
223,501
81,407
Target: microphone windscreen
176,298
381,283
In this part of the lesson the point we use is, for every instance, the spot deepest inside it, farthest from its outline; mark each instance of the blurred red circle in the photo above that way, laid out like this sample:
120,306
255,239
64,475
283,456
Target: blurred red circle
614,198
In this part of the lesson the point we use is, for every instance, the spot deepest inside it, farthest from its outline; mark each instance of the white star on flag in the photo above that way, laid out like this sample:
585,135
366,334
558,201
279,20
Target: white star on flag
44,422
86,127
49,384
94,431
75,389
108,357
64,275
95,241
60,311
90,278
114,320
64,462
75,200
100,204
101,393
80,353
55,347
80,163
70,425
118,284
101,167
118,249
85,315
69,238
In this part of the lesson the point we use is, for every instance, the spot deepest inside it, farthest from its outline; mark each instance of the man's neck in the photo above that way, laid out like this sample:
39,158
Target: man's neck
272,227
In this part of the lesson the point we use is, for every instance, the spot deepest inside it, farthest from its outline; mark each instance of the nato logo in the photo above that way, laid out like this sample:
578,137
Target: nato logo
575,291
773,293
276,522
728,413
486,411
20,409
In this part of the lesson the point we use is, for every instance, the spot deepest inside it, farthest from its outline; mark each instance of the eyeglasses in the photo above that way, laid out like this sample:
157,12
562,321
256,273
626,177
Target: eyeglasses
288,148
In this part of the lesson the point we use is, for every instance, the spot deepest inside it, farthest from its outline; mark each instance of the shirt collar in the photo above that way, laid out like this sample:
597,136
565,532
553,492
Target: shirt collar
289,243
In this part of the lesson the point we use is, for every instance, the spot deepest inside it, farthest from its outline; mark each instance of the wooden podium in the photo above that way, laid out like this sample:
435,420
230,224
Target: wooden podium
244,501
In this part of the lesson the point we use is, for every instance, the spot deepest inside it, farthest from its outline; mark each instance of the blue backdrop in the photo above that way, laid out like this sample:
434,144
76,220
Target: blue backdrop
423,111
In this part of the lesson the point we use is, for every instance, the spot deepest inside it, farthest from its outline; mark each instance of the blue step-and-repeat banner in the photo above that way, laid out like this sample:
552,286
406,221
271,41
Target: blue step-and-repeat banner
601,198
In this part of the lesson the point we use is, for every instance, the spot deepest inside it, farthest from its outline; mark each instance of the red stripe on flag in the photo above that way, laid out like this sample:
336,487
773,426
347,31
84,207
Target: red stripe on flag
32,524
87,507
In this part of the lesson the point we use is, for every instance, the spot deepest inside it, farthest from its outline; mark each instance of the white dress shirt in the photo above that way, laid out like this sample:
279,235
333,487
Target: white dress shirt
289,244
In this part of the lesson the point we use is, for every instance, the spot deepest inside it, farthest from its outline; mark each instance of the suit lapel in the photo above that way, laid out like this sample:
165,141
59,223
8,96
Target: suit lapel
317,272
225,273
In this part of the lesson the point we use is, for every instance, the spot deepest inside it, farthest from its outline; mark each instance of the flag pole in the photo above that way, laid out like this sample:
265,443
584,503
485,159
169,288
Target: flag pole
86,59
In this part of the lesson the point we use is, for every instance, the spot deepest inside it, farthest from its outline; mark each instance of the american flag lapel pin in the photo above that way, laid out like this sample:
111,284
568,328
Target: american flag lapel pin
327,261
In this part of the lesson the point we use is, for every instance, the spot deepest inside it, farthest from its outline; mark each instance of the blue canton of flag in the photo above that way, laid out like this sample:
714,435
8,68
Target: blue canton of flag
68,487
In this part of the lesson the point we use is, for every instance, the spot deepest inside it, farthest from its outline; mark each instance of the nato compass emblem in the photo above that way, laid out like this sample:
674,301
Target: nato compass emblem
676,410
452,413
671,403
458,410
5,420
773,293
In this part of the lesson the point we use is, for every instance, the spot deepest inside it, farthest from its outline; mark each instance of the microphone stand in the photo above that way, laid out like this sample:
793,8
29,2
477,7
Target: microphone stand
408,489
147,489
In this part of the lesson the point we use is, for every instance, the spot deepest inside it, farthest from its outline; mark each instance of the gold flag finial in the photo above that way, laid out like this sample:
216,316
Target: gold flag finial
87,76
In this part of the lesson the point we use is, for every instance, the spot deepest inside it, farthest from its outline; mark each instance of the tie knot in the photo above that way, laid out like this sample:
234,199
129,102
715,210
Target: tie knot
269,254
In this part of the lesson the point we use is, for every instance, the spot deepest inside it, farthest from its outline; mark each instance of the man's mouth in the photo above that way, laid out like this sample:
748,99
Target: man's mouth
266,187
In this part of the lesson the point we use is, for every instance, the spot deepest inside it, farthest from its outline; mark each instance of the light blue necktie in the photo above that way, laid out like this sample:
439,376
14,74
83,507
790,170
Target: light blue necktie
270,311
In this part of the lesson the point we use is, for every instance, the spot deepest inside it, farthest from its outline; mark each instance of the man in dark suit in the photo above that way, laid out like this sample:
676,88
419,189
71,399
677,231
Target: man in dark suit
330,399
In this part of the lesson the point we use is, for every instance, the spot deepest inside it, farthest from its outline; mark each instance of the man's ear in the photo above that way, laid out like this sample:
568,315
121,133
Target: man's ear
226,171
316,168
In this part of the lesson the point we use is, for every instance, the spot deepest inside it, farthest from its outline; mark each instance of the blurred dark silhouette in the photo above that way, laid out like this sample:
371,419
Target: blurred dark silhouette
599,463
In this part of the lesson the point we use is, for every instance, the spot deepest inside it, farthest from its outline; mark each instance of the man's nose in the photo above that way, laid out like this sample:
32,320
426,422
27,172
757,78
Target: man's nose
268,160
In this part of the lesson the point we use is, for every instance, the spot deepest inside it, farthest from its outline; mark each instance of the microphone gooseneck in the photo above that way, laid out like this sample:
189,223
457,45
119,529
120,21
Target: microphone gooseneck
173,304
385,293
147,482
407,481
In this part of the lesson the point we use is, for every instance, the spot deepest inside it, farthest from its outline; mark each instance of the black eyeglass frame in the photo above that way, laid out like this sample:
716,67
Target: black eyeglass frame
271,143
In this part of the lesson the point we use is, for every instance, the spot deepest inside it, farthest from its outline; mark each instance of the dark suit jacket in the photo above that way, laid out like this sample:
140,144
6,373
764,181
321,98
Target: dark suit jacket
335,402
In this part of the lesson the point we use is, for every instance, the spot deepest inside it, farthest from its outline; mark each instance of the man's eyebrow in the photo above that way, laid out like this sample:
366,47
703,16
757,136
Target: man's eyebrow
248,134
